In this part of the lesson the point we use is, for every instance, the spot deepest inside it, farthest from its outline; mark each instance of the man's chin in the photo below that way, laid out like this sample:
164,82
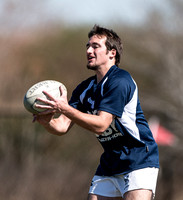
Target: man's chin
94,67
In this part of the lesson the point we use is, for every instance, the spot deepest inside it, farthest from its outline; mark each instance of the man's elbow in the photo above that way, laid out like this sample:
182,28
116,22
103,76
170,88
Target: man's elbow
100,131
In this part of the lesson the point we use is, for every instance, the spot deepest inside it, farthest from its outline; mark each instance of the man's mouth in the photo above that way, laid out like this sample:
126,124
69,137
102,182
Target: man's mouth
90,58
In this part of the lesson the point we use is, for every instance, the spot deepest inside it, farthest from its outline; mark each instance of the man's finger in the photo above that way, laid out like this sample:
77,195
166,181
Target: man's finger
49,95
63,91
45,101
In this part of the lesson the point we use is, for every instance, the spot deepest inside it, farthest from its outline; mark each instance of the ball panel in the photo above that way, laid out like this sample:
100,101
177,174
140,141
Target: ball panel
50,86
29,107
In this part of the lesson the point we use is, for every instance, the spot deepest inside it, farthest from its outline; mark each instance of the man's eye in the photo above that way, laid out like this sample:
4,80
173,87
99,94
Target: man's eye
95,46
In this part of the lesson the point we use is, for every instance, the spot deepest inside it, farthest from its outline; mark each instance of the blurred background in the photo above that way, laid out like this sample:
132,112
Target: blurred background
43,39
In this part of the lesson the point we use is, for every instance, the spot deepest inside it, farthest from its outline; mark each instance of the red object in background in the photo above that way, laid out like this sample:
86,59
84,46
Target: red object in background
161,135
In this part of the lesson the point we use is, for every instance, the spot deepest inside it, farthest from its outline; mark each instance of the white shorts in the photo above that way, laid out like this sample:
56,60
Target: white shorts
118,185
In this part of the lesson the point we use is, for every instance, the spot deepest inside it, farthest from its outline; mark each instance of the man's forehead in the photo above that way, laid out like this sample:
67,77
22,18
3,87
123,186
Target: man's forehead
97,39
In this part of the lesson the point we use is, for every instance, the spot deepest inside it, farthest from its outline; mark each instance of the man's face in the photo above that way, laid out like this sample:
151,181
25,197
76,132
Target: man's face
97,54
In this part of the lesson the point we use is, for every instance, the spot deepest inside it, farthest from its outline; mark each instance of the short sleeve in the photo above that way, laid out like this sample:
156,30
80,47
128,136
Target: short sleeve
75,98
116,95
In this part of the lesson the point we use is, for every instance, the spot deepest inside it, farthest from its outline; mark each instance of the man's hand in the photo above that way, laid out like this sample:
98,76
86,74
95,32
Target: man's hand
43,119
53,105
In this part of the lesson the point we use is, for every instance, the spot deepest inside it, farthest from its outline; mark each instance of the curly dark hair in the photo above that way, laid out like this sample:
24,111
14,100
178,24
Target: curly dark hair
113,41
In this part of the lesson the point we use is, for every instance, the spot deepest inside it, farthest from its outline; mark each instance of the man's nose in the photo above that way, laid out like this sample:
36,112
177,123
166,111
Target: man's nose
89,49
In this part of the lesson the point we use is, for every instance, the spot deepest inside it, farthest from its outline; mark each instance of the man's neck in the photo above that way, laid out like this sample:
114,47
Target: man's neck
101,72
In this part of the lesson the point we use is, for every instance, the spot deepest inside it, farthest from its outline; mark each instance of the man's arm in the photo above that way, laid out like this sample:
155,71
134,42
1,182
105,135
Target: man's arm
57,126
95,123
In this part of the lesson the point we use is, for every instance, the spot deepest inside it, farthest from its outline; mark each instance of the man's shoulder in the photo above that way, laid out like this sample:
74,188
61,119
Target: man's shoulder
85,83
89,79
121,73
120,77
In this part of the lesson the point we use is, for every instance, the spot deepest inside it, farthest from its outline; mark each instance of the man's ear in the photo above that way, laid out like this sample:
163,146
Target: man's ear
113,53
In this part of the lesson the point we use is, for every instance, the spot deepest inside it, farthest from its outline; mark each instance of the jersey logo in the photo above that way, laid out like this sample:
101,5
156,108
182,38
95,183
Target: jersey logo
110,134
91,102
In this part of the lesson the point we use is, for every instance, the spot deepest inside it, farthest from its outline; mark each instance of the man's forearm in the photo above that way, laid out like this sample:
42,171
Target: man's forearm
58,126
95,123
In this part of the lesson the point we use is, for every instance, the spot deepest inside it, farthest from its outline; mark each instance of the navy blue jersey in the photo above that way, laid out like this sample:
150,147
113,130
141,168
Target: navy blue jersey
128,142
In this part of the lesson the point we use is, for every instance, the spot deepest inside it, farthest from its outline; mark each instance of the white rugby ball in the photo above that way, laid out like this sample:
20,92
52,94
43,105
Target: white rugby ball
50,86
